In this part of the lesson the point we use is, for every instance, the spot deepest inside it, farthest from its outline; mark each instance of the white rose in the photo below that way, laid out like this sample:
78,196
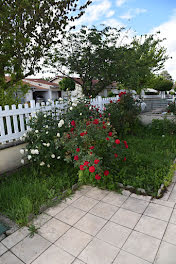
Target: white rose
46,126
24,135
58,134
45,116
44,144
36,151
29,157
21,138
47,132
22,151
32,151
48,144
90,108
71,108
163,135
48,166
80,114
36,131
42,163
49,100
53,156
22,161
58,157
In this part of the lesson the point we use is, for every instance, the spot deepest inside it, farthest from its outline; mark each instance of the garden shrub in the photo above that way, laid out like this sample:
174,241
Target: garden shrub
123,114
95,149
162,127
172,108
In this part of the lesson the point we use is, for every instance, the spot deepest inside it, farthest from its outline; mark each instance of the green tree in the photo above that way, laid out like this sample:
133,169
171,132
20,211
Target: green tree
99,54
160,84
67,84
28,28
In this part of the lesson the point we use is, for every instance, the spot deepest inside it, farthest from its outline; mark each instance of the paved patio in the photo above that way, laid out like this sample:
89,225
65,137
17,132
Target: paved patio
99,227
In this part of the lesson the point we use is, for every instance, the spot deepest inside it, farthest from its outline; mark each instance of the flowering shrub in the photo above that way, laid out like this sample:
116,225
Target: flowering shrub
80,110
94,148
43,140
172,108
123,113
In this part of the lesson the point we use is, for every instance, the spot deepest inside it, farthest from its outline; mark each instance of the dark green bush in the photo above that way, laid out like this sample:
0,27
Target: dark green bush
162,127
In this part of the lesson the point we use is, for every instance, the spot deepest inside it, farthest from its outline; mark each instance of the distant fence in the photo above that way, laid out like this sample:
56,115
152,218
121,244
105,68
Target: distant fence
14,120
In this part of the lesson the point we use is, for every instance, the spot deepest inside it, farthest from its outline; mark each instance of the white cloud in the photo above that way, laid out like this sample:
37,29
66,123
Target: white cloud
120,2
167,30
110,13
94,13
133,13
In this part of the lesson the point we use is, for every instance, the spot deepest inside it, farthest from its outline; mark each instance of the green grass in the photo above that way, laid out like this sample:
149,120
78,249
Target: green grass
26,190
149,161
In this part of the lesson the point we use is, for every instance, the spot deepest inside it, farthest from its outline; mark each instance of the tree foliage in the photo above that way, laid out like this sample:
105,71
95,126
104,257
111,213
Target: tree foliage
160,84
99,54
28,28
67,84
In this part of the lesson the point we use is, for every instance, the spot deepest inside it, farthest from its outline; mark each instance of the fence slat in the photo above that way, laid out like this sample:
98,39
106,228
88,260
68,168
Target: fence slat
8,122
15,121
22,128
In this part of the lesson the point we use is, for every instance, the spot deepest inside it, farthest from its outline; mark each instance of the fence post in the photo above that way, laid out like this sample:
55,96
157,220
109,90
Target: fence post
32,106
100,102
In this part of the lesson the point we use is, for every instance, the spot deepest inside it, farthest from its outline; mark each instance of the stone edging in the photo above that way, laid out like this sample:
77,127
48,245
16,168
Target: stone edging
11,144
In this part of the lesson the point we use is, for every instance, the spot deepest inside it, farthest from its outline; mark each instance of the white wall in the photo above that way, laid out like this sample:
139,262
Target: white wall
29,96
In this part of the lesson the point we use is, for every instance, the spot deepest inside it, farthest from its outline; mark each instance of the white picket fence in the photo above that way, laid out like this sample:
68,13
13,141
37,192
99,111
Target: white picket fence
14,120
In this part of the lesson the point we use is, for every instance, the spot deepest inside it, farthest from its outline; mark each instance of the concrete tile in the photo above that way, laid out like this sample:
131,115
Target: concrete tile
115,199
30,248
54,210
114,234
142,246
3,249
84,189
165,197
135,205
173,217
170,234
77,261
96,193
126,218
126,192
158,211
54,255
16,237
104,210
41,220
98,252
141,197
53,229
70,215
84,203
166,254
151,226
126,258
172,196
9,258
73,241
72,198
90,224
164,203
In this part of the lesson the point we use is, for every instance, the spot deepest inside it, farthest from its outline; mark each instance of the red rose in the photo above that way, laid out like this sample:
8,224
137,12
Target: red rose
92,147
104,127
126,145
81,167
106,172
124,158
117,141
68,135
96,121
73,123
85,133
76,157
97,177
72,129
107,138
110,134
82,134
96,161
78,149
87,123
92,169
86,163
100,115
110,101
91,153
104,122
115,155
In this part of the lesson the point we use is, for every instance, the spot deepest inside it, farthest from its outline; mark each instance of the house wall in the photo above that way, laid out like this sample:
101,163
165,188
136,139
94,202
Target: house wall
29,96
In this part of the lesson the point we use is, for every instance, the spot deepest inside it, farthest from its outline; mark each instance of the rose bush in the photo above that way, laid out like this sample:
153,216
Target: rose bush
92,145
123,114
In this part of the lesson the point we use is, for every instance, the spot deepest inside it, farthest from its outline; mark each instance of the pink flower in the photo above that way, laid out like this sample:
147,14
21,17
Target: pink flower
124,159
78,149
115,155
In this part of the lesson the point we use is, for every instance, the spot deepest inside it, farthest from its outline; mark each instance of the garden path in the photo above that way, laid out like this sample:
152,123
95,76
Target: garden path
99,227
